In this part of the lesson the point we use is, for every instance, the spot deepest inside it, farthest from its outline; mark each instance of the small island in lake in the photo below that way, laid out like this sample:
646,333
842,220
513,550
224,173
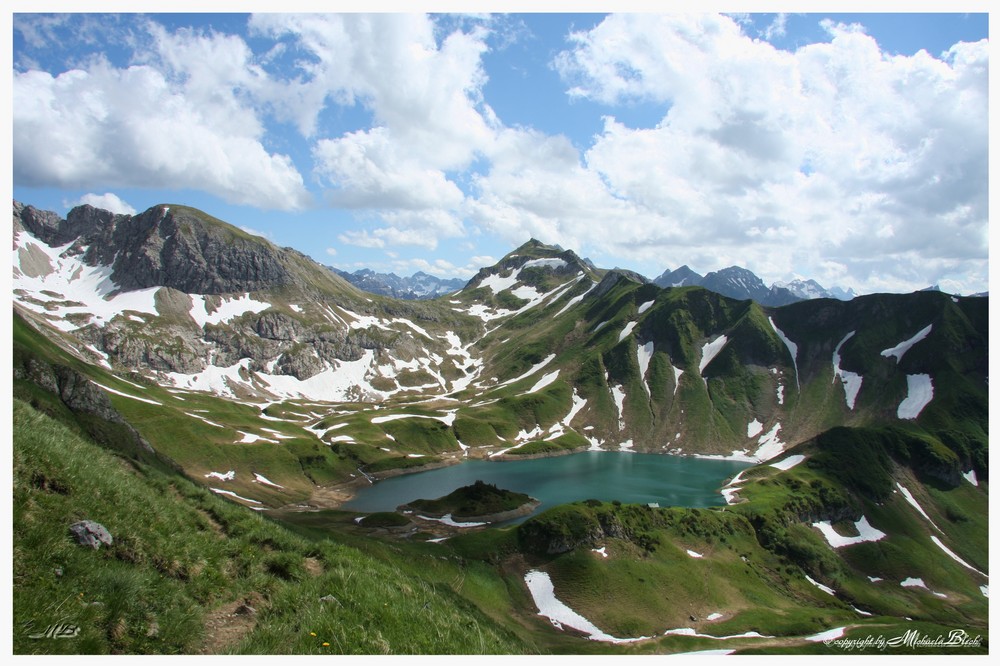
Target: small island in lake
480,502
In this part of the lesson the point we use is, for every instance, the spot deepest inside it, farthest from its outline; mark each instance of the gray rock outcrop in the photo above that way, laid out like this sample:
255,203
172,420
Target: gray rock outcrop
89,533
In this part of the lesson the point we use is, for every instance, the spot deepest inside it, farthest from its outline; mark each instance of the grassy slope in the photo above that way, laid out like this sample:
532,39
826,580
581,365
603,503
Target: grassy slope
180,551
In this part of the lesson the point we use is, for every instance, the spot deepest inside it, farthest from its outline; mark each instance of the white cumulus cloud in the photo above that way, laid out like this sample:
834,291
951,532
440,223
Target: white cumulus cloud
175,121
106,201
839,150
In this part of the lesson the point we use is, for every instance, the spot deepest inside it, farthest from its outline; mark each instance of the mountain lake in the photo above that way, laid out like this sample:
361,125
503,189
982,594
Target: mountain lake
641,478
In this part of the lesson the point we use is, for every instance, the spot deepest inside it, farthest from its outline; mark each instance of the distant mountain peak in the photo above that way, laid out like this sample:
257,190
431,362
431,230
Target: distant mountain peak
742,283
419,286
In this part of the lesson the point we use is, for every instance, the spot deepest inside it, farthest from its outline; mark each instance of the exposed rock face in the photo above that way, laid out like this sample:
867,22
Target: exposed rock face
82,396
164,246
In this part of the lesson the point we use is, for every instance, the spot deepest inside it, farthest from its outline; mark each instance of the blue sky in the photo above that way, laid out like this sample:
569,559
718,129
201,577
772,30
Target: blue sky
847,148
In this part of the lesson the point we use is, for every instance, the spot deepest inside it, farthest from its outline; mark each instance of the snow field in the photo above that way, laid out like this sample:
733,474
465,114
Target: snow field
627,331
261,479
228,309
576,299
793,349
866,533
447,419
937,542
645,354
710,350
913,502
447,520
688,631
234,495
559,614
851,380
821,586
80,289
789,462
905,346
677,378
919,392
544,381
618,395
535,368
828,635
128,395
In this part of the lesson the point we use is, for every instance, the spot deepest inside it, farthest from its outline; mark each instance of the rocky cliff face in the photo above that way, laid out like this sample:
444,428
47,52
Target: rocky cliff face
165,246
215,297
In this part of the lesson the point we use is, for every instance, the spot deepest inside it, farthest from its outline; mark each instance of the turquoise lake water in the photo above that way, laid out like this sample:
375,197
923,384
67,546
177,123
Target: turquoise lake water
628,477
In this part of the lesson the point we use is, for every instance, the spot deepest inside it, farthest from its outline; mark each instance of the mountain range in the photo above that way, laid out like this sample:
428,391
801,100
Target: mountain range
418,286
197,352
741,284
735,282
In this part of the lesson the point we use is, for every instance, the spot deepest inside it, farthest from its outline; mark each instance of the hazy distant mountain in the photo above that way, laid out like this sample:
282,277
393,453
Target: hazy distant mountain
741,283
418,286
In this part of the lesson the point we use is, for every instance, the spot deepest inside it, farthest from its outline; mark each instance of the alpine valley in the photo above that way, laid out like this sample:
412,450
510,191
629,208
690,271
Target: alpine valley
212,400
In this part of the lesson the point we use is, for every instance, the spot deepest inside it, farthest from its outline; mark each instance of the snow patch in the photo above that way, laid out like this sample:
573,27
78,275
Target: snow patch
937,542
618,394
535,368
447,520
559,614
544,381
228,309
578,404
694,554
789,462
710,350
904,346
914,582
754,428
970,476
232,494
260,479
913,502
645,306
602,551
828,635
919,392
645,354
851,380
448,419
128,395
228,476
544,263
793,349
821,586
576,299
61,286
865,533
627,330
677,378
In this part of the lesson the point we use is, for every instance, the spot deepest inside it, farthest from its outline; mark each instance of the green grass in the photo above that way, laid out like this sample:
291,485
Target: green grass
180,551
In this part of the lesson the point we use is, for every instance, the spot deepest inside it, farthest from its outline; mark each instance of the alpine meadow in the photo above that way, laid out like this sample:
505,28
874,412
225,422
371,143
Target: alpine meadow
222,444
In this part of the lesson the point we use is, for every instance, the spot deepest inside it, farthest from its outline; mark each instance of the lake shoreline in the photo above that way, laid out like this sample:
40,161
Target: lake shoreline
669,479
